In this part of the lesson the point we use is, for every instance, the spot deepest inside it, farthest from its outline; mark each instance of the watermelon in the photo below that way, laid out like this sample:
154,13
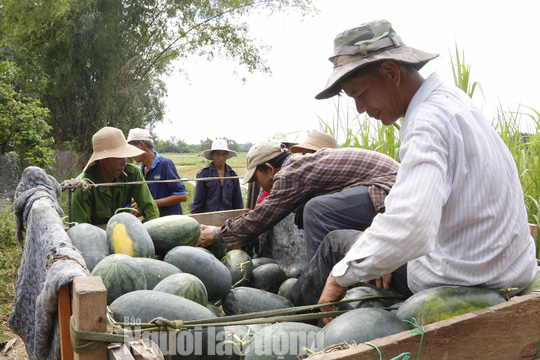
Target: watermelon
295,269
268,277
261,261
240,266
243,300
359,325
201,263
145,305
91,241
535,285
120,274
285,340
127,235
170,231
217,311
155,270
235,338
358,292
218,248
444,302
185,285
286,286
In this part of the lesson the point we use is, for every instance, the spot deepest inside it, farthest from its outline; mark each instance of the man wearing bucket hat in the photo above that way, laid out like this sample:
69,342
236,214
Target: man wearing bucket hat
108,165
348,187
167,195
218,194
456,215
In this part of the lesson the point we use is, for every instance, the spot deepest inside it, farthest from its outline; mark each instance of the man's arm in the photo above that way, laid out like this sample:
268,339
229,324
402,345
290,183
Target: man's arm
171,200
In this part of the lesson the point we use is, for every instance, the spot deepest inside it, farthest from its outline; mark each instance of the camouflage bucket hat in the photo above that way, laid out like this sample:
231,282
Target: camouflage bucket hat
367,43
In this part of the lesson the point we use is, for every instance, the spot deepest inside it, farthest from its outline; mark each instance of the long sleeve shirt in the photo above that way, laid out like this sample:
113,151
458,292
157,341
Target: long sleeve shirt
211,196
456,214
303,177
98,204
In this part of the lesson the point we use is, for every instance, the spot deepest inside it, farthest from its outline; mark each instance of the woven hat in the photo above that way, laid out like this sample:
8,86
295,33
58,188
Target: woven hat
139,135
219,144
110,142
260,153
367,43
315,141
282,138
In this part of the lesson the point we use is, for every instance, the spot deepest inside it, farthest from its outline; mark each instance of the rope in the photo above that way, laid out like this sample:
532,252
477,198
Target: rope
86,184
83,341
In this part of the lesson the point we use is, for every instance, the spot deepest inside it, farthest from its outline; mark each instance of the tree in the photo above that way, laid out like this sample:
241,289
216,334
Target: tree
23,122
105,59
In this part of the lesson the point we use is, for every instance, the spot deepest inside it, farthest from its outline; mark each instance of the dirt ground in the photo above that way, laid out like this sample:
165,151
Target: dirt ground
14,350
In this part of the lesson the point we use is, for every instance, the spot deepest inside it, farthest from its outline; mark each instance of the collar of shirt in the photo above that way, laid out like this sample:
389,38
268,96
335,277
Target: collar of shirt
427,87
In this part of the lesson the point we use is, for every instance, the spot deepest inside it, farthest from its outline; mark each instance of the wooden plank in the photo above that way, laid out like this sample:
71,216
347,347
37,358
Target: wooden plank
90,312
64,314
534,231
510,330
120,352
217,218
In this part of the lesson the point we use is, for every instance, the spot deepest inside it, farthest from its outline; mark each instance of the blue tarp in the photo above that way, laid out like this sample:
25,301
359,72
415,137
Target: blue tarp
49,261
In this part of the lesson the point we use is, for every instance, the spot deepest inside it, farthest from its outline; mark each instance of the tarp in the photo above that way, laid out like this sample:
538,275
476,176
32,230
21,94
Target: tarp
49,261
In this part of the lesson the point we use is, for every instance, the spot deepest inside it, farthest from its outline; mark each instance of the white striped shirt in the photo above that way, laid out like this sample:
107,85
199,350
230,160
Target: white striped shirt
456,213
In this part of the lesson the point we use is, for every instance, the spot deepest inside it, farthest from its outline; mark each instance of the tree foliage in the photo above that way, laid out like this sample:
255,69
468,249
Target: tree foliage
23,122
105,59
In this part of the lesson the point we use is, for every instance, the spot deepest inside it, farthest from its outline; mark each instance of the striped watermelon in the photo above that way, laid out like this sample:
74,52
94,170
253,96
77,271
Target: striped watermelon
127,235
120,274
185,285
170,231
91,241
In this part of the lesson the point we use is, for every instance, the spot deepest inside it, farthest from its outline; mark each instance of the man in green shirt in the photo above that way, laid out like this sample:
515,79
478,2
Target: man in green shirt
108,165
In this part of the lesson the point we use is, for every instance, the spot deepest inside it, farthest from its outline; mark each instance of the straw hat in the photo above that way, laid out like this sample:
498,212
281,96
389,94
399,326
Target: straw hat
110,142
259,154
316,141
219,145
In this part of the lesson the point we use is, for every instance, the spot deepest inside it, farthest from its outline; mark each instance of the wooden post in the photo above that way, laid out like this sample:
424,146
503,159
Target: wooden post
64,314
90,312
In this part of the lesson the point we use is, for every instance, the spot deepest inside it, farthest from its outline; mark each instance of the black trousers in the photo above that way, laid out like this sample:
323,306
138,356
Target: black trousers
335,245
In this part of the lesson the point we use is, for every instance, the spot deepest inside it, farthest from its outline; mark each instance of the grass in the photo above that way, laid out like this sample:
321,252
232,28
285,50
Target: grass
9,265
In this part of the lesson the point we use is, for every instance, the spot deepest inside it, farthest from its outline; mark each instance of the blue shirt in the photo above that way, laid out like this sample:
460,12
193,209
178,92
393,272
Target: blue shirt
164,169
211,196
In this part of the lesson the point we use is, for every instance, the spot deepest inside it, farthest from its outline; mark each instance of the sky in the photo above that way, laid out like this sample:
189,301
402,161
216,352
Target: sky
500,40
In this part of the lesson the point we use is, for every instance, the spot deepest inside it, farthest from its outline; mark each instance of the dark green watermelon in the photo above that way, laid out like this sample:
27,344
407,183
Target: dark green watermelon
201,263
358,292
145,305
168,232
268,277
286,286
285,340
295,269
358,325
155,270
218,248
261,261
185,285
91,241
240,266
120,274
444,302
243,300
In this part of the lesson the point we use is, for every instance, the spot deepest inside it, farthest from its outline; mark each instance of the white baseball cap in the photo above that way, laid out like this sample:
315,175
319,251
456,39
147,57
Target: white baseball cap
139,135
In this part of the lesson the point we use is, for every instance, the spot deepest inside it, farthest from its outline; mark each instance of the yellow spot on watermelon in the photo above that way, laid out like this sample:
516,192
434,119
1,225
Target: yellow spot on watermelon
121,241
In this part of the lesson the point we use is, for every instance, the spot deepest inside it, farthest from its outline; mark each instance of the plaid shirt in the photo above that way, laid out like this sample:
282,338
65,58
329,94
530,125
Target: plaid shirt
303,177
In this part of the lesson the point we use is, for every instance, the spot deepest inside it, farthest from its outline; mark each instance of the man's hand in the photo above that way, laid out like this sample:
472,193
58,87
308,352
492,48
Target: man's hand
207,236
332,292
383,282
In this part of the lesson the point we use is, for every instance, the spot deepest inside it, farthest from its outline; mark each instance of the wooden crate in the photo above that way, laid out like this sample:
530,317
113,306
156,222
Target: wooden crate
510,330
217,218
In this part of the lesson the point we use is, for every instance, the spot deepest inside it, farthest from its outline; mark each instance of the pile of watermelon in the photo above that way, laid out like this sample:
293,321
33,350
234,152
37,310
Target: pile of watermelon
153,270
